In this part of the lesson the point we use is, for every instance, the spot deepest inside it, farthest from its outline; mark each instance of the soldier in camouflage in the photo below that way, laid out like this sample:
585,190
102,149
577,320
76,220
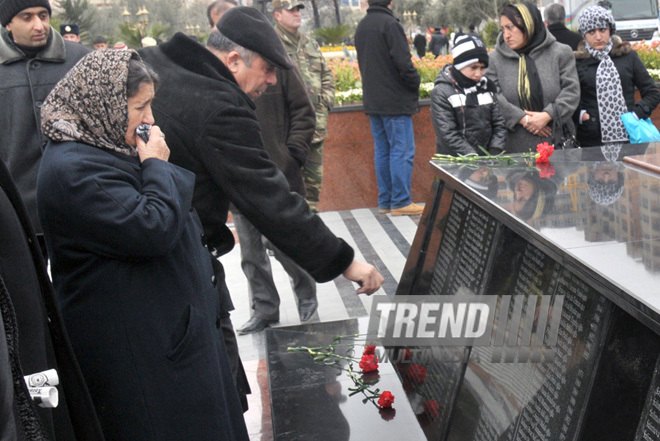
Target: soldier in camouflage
306,55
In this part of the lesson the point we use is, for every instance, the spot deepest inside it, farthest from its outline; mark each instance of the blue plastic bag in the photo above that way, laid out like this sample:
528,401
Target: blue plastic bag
640,130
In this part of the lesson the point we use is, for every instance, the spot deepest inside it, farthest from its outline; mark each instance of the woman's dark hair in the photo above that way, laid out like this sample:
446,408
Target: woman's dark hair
513,14
139,72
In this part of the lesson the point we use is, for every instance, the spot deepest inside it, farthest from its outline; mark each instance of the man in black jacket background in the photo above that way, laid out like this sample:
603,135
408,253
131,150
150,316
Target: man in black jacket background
390,93
555,18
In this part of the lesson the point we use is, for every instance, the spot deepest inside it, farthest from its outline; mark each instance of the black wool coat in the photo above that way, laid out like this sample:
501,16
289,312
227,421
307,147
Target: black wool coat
390,81
633,74
138,294
213,131
42,341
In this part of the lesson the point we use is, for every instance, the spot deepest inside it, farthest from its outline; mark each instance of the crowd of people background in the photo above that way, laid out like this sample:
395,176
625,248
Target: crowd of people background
137,317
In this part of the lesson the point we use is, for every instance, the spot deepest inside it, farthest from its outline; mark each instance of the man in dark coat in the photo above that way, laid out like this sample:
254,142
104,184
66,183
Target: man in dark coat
42,342
204,106
555,18
33,58
419,42
439,44
390,84
288,122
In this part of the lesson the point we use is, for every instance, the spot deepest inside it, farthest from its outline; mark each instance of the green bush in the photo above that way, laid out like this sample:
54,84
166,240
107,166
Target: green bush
334,35
490,32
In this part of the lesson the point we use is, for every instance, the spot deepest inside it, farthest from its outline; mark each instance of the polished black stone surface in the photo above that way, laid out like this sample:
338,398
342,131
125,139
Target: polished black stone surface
311,401
581,236
597,215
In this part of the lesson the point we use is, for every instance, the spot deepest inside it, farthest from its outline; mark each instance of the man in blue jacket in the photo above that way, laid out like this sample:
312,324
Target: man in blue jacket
390,85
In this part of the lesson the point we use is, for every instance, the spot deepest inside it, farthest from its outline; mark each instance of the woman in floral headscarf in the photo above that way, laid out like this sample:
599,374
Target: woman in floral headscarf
609,71
133,278
536,76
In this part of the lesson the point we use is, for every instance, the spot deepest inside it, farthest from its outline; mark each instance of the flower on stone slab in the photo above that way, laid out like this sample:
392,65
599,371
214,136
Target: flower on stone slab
369,363
386,399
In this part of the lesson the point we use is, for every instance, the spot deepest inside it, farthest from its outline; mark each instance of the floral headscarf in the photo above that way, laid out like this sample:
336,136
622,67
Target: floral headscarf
90,104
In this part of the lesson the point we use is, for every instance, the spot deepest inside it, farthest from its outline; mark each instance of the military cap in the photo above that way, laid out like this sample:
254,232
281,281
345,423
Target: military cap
70,28
251,29
286,4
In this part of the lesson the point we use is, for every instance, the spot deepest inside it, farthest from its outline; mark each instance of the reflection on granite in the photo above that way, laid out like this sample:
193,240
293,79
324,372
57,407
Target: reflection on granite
311,401
604,213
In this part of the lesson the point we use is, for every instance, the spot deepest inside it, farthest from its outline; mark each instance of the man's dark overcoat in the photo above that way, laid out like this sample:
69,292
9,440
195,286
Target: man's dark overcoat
212,130
138,294
25,83
390,81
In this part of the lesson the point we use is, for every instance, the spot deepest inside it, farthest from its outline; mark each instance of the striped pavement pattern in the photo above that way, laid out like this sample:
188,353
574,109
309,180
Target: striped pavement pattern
382,240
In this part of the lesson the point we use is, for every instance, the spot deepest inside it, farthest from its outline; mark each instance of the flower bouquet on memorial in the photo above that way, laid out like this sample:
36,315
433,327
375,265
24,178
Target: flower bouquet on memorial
542,155
539,160
364,379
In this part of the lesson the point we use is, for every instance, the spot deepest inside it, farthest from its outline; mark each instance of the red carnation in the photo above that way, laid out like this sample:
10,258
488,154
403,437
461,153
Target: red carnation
369,363
369,350
545,150
432,408
386,399
416,373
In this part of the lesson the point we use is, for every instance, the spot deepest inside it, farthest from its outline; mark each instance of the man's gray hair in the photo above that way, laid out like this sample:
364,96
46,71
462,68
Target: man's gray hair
555,13
219,42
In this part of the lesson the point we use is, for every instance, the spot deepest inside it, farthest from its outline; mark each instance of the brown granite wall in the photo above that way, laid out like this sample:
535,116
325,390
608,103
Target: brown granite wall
349,179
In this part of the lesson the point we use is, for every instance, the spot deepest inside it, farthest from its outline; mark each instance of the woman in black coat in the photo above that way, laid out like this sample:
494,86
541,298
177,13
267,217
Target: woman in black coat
135,283
609,71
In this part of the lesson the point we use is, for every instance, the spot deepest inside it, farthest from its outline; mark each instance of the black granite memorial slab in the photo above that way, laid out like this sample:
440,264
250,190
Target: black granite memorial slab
585,242
312,401
571,252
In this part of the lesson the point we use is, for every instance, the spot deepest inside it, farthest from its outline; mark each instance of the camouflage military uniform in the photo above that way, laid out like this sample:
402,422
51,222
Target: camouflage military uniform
306,55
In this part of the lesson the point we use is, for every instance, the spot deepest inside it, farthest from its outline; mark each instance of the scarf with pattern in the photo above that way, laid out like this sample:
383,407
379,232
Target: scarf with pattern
530,91
611,104
90,104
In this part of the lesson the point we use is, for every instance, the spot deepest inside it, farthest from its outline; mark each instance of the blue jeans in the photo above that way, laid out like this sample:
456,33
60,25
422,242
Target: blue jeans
394,150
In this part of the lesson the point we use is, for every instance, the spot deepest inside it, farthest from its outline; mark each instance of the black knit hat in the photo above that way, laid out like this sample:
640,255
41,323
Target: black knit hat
10,8
251,29
467,50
